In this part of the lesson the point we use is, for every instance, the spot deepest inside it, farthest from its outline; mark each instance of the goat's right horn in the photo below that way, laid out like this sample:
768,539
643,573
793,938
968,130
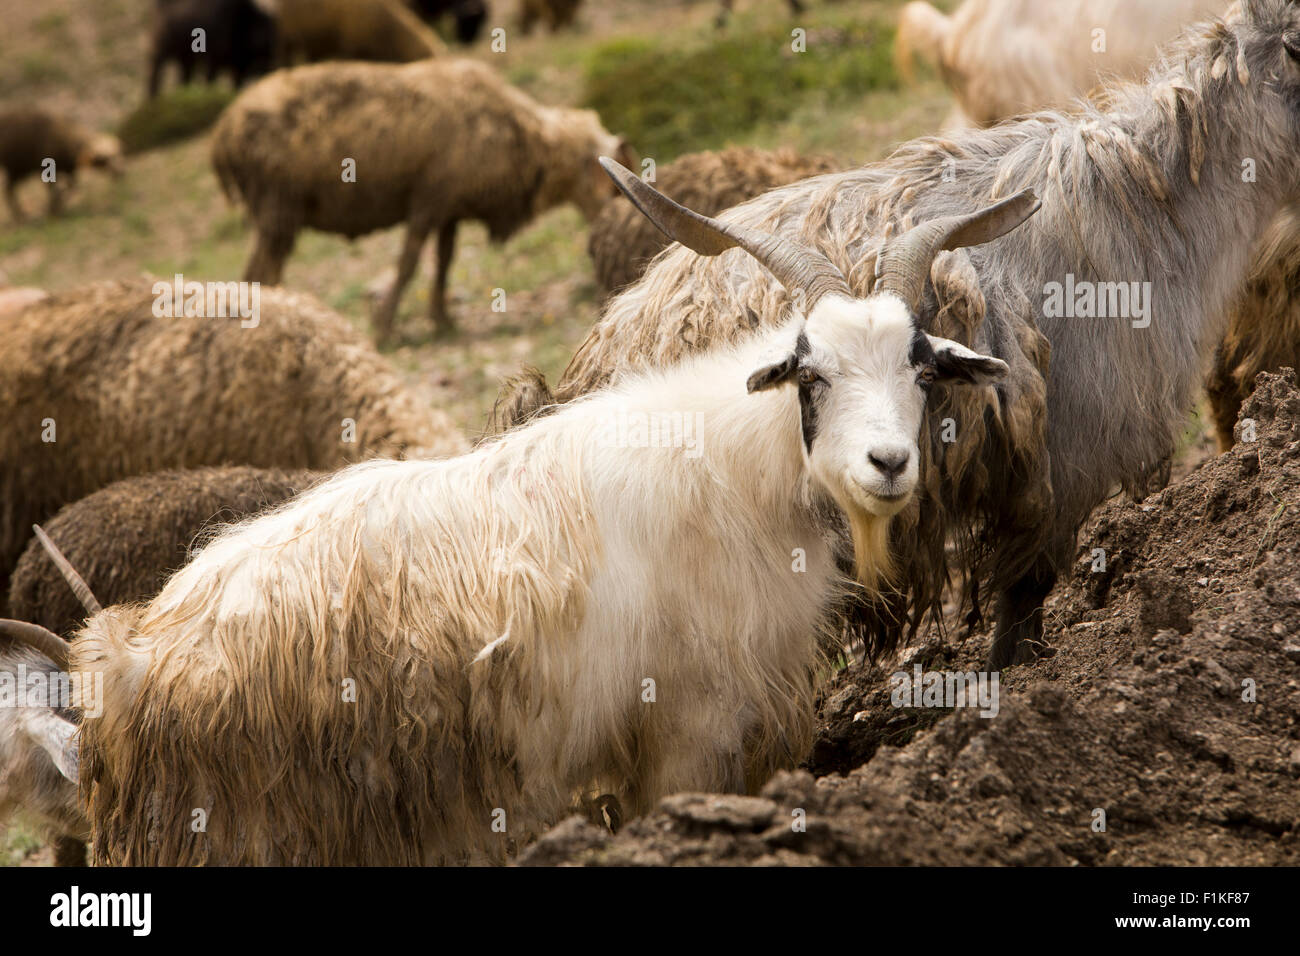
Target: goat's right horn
38,638
904,263
795,265
75,581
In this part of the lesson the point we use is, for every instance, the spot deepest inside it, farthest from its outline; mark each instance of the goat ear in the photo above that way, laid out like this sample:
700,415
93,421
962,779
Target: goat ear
57,737
956,363
772,375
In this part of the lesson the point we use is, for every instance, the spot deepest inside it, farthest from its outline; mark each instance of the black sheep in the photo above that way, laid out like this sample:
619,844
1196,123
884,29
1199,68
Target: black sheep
238,36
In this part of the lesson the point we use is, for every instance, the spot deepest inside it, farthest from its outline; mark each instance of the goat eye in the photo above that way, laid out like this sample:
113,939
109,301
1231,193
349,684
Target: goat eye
926,376
808,377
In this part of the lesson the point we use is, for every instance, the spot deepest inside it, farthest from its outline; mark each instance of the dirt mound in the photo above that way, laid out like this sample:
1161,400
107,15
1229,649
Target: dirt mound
1168,710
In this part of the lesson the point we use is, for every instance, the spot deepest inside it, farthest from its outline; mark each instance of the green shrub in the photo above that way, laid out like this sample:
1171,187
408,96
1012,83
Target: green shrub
176,114
668,98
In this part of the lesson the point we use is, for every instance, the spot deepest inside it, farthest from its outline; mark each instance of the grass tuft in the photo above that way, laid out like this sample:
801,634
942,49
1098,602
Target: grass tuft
175,115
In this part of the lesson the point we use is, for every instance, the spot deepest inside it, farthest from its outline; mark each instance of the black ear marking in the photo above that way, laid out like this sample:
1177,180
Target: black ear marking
781,371
773,375
965,368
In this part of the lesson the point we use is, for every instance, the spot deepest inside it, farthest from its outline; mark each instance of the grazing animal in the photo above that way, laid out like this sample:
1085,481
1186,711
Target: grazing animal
622,241
125,541
1006,57
469,15
432,144
100,388
237,35
383,30
1143,197
499,616
34,142
555,14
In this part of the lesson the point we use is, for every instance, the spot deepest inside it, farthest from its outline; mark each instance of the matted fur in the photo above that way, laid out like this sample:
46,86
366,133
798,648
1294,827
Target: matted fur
499,614
1002,57
622,241
1264,325
1142,185
132,393
125,540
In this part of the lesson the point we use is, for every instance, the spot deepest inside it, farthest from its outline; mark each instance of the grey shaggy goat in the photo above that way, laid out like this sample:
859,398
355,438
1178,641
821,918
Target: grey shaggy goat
622,241
125,541
434,143
1144,185
100,388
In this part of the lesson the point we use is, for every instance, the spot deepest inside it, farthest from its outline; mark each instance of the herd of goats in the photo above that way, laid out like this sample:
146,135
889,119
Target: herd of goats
818,404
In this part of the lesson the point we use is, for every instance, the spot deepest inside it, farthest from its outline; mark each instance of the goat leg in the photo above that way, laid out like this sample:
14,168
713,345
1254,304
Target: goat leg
1020,617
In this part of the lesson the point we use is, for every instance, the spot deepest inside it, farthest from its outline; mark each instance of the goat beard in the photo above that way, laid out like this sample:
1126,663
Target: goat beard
873,566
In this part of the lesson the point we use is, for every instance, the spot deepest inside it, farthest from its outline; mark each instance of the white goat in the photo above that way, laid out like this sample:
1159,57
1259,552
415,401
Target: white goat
1004,57
625,593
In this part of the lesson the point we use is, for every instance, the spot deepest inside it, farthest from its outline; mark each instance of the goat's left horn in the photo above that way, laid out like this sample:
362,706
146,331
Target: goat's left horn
796,266
38,638
904,263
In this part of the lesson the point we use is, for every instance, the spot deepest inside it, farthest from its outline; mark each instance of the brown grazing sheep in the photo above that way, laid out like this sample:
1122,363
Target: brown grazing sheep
556,14
623,241
429,143
30,137
124,540
1263,326
383,30
99,388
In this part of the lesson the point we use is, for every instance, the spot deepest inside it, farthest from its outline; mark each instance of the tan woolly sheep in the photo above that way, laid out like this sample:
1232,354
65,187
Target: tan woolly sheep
351,148
99,388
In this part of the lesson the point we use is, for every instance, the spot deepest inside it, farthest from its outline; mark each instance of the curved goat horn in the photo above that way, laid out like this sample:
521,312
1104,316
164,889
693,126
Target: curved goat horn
38,638
75,581
796,266
904,262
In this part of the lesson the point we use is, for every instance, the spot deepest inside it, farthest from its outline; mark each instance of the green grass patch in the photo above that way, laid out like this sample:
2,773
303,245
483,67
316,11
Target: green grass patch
668,97
177,114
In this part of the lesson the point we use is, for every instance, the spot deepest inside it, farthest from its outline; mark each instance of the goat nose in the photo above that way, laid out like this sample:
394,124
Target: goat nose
889,461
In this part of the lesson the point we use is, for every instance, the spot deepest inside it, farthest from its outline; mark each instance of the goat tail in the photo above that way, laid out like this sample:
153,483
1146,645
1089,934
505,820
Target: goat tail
922,33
